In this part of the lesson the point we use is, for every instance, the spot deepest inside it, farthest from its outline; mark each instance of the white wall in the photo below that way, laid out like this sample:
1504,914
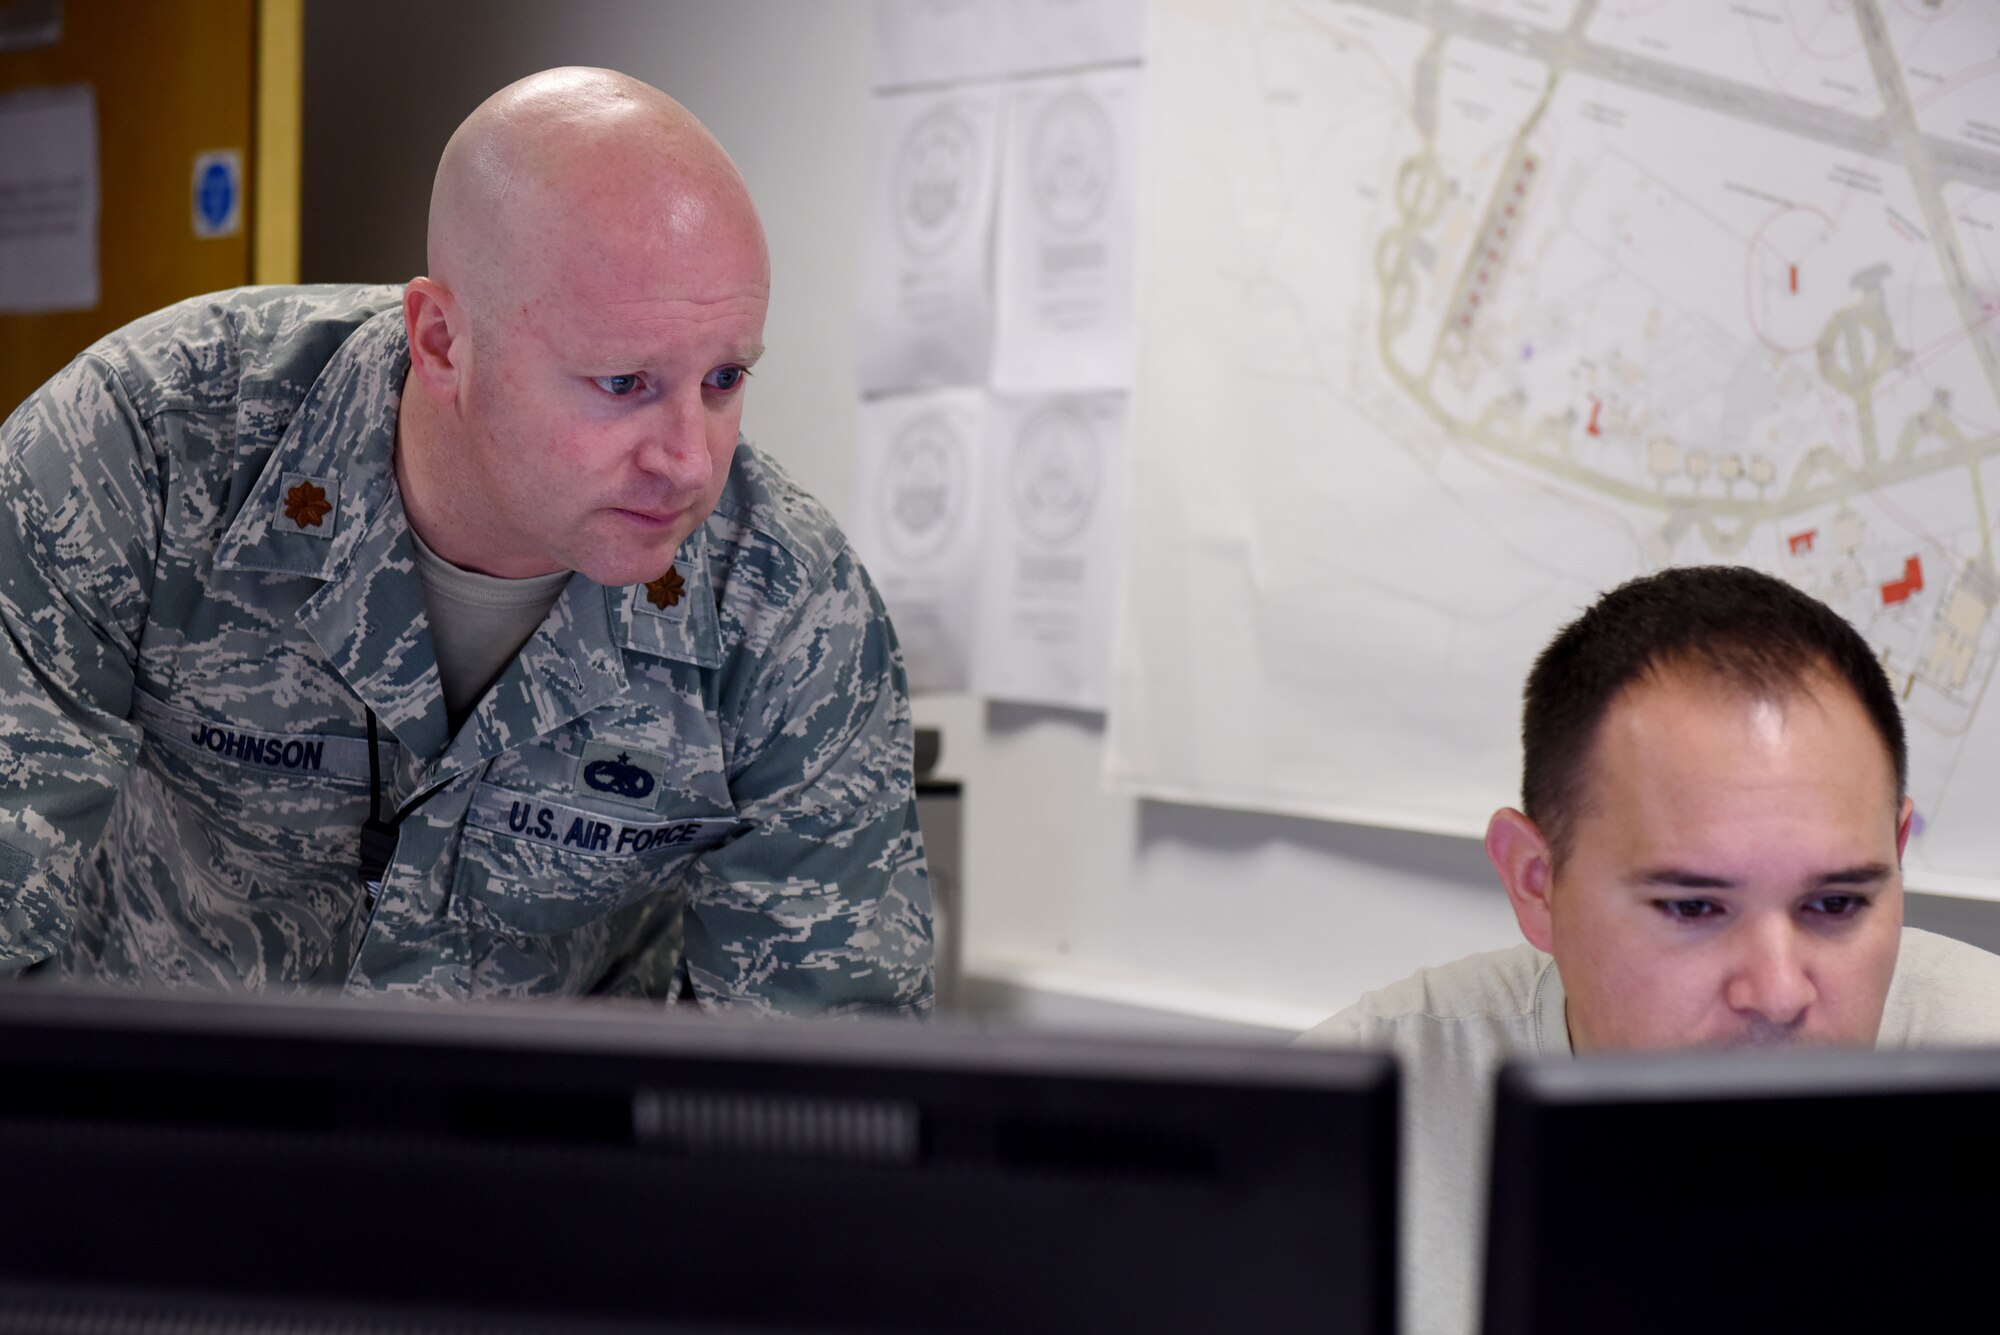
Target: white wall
1263,919
1094,901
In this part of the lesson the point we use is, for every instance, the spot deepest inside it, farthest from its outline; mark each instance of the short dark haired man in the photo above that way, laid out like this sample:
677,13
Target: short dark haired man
446,637
1710,855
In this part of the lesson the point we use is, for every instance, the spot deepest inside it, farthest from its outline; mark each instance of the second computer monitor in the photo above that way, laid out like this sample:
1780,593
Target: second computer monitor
1796,1191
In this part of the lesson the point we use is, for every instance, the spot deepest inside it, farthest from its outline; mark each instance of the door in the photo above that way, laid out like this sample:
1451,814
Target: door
176,85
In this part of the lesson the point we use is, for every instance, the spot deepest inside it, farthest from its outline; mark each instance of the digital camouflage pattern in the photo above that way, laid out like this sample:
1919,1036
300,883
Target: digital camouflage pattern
207,579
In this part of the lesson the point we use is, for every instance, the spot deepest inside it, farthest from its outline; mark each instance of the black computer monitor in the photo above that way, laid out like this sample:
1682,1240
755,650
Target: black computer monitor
314,1167
1775,1191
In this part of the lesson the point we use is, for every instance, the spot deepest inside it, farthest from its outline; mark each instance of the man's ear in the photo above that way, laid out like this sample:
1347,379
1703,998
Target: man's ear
1904,819
1520,853
438,347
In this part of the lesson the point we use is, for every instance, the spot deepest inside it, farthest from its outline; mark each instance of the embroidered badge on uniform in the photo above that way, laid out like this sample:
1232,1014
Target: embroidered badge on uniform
666,591
309,505
621,774
667,597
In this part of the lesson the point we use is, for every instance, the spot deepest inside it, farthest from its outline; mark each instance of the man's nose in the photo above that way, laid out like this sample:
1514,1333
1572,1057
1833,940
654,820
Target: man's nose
1769,977
676,443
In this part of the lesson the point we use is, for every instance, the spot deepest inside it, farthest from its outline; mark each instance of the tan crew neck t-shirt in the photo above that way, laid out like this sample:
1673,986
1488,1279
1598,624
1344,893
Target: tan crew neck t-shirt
478,623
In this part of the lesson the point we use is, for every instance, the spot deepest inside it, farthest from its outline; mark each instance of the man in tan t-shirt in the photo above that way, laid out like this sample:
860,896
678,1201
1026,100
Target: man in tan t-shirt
1708,854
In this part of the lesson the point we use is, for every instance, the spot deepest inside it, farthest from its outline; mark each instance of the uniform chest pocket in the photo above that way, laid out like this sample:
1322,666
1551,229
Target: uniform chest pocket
286,801
538,868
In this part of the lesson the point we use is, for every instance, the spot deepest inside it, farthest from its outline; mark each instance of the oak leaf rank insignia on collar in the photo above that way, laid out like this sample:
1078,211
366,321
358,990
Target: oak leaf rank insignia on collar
306,505
666,591
310,505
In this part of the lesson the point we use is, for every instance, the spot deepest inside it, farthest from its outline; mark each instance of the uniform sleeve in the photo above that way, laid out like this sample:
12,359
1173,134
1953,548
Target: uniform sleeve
79,523
824,906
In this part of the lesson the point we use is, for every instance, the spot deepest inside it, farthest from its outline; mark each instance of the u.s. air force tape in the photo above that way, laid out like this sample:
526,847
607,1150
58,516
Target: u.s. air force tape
293,752
593,833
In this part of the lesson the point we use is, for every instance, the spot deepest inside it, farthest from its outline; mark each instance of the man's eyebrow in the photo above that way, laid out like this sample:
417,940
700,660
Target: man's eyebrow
615,355
1865,873
1679,878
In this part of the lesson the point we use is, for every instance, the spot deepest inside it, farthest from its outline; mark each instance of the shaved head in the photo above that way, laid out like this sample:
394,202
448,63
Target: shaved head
579,349
550,164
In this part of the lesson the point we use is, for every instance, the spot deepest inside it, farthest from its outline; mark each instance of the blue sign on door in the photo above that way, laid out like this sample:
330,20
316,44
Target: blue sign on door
218,193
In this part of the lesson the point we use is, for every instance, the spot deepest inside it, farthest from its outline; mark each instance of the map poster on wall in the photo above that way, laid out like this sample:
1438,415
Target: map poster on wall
917,523
926,301
1054,483
1068,231
1510,302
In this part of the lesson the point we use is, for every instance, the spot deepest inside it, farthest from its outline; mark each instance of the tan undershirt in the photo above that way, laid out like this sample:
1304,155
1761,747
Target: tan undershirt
478,623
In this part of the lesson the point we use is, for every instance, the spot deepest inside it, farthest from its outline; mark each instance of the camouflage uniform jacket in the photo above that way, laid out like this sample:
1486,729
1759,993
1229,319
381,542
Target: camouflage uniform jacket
207,580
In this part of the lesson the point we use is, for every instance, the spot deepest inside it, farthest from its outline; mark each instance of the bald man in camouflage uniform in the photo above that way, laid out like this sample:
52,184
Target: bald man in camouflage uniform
447,639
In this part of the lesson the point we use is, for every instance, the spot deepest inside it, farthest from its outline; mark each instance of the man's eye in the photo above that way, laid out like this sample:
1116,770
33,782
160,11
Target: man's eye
1838,906
618,386
1687,910
725,378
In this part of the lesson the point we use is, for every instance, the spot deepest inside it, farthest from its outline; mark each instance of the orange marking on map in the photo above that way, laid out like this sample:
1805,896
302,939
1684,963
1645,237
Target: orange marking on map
1899,591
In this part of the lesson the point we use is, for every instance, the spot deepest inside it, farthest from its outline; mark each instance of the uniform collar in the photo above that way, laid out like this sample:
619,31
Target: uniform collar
673,616
576,660
332,474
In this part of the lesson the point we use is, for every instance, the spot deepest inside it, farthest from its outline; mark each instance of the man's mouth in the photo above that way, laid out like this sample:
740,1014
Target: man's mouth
651,518
1766,1034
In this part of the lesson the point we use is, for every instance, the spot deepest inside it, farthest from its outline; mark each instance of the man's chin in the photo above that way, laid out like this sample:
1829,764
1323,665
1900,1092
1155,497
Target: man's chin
617,572
630,562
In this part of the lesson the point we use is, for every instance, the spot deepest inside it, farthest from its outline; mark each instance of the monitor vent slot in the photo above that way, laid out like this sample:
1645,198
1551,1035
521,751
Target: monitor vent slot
710,1125
39,1310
